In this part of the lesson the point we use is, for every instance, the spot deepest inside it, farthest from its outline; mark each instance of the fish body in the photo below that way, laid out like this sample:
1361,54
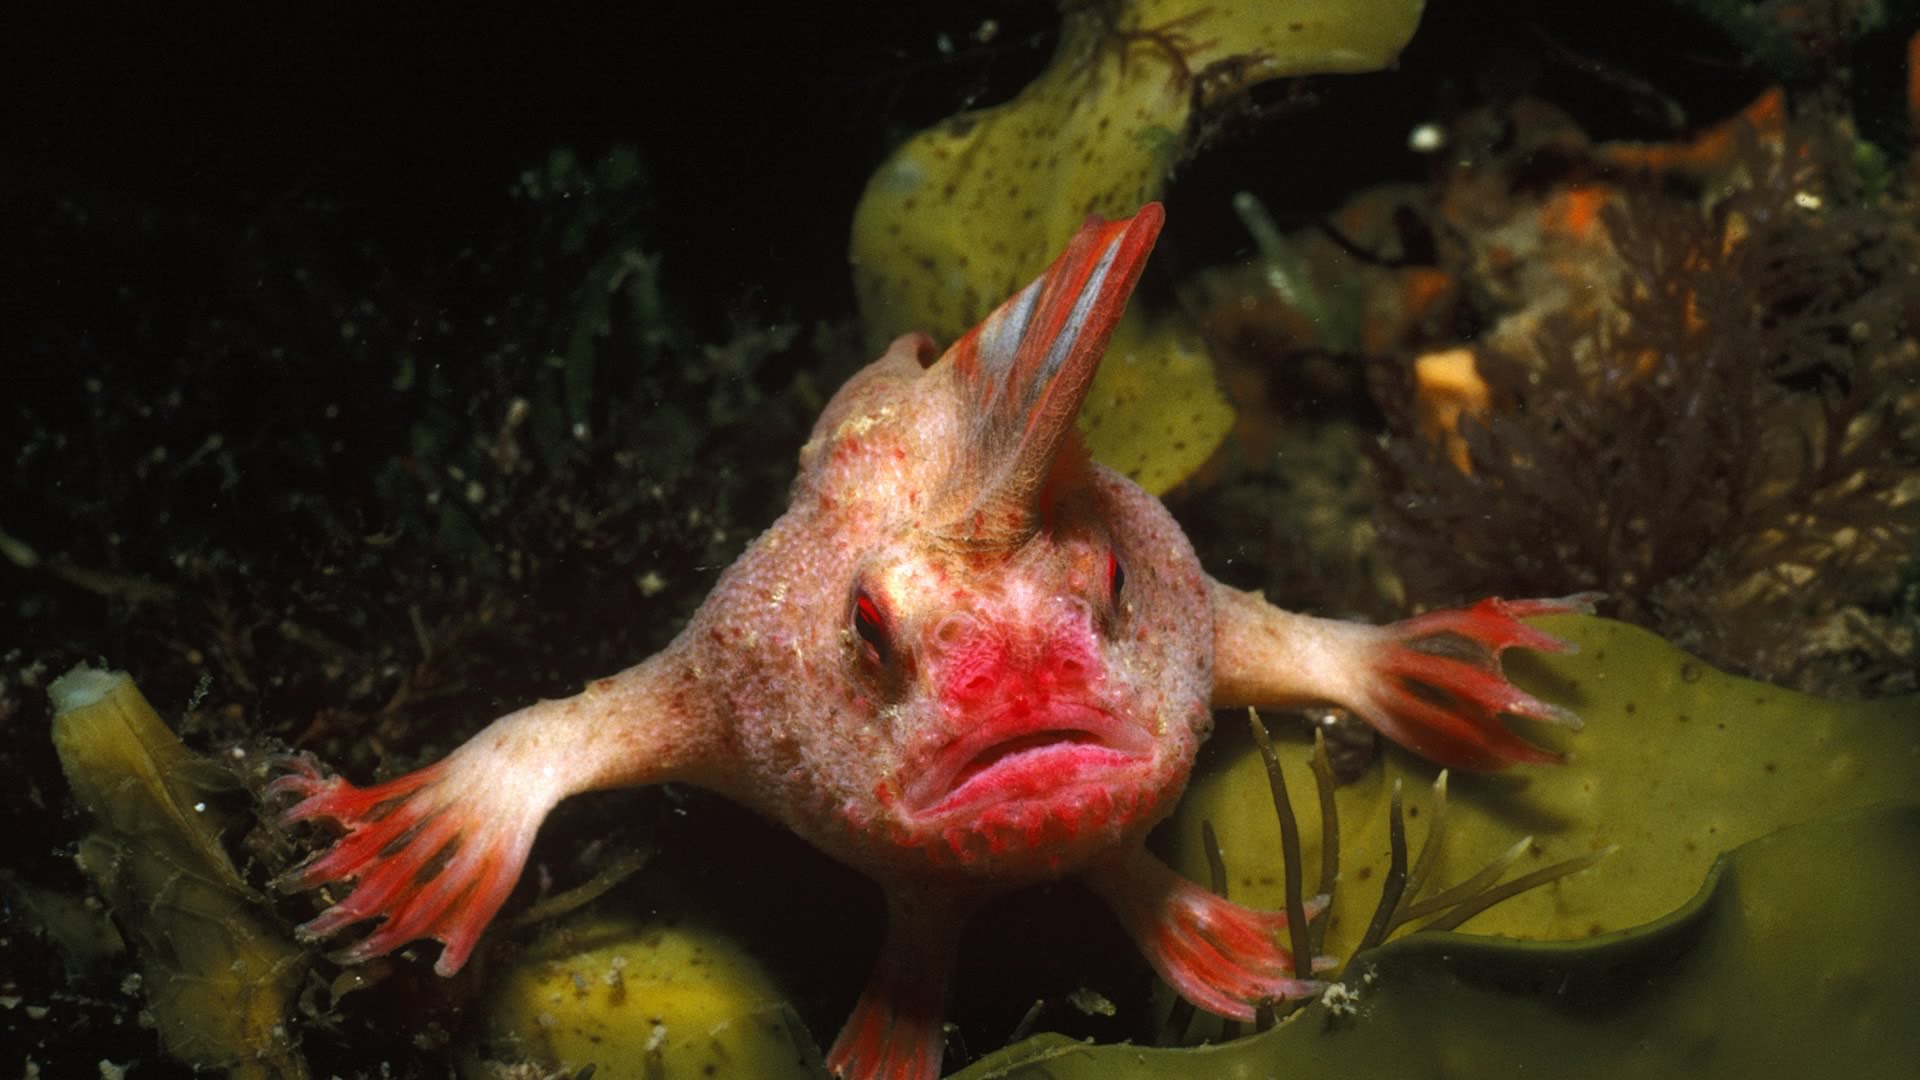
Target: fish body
966,659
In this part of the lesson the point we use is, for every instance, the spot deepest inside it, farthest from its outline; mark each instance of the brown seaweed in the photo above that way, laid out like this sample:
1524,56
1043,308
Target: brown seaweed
1729,449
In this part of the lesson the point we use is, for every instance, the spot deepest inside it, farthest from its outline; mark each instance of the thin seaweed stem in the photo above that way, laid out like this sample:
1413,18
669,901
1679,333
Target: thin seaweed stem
1434,841
1474,906
1289,849
1027,1021
1466,890
1179,1018
1329,837
1216,865
618,869
1395,885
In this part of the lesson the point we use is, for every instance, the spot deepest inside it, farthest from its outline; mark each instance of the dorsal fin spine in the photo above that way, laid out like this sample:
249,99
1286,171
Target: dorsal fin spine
1025,369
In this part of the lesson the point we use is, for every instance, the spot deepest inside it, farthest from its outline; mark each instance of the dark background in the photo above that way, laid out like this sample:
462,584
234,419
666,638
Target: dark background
757,123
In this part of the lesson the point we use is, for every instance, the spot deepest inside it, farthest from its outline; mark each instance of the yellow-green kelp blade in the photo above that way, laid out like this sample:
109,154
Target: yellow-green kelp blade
218,971
1676,763
1153,413
1795,959
662,999
967,212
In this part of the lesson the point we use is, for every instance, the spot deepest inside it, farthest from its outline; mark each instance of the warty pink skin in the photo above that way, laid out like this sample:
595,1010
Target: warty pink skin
966,659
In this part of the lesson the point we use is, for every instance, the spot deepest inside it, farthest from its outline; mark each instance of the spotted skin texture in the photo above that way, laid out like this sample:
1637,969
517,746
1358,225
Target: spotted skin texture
966,659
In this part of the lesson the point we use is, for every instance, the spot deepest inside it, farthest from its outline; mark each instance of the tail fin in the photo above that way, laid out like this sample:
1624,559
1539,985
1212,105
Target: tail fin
1025,369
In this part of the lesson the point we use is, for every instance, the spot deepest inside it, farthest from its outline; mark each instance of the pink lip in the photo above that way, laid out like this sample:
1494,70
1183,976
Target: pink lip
1025,753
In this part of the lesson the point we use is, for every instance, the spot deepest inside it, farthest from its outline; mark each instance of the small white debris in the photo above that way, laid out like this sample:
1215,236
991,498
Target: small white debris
1806,200
1426,138
1341,1000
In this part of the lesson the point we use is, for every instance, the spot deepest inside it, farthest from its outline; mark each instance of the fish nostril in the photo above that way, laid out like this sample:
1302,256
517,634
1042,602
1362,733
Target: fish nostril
954,631
1074,673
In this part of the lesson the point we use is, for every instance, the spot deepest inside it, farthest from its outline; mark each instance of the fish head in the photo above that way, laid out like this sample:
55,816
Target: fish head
1030,632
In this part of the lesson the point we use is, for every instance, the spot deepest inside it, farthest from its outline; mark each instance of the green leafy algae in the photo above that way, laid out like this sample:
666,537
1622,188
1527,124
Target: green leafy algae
218,971
653,1000
1677,763
1153,413
1774,968
967,212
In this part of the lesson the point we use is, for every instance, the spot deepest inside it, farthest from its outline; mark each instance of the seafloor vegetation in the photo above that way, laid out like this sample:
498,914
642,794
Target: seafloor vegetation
345,422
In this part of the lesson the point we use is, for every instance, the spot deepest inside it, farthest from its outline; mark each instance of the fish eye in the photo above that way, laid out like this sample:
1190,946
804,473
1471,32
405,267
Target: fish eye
871,625
1116,576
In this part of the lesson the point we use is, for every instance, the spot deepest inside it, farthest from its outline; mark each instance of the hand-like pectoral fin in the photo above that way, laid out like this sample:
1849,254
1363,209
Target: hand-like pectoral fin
433,855
1431,683
436,852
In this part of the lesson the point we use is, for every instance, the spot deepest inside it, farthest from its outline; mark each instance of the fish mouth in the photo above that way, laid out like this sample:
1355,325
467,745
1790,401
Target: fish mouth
1027,754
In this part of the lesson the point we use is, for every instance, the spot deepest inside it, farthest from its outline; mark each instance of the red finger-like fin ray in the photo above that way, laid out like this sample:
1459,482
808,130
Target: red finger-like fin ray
1457,735
897,1028
371,844
1488,689
427,860
1495,624
378,884
1438,689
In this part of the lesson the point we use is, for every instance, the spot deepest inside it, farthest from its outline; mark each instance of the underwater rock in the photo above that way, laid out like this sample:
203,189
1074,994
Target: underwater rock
218,970
1676,764
654,1000
1769,970
969,210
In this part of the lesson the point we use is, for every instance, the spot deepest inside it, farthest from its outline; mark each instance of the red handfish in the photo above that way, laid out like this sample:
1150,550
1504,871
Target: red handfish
966,659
